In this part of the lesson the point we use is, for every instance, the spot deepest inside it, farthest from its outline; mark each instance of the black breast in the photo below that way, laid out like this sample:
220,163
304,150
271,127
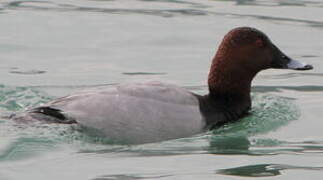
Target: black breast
221,109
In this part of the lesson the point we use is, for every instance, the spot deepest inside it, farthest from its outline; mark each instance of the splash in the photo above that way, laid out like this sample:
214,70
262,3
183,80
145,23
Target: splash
268,114
24,141
20,98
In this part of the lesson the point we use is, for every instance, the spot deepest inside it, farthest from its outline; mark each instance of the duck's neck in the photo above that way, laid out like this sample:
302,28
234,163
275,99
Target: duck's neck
227,76
229,93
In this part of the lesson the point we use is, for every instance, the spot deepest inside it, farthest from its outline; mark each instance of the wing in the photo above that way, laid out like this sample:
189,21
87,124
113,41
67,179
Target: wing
135,113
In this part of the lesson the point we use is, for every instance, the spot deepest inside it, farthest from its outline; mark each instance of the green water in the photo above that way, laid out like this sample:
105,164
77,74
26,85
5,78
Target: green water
52,48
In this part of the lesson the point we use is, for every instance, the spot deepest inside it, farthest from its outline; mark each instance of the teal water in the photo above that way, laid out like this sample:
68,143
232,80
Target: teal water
52,48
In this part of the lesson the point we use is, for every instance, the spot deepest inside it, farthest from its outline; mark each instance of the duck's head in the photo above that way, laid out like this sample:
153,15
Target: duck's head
244,52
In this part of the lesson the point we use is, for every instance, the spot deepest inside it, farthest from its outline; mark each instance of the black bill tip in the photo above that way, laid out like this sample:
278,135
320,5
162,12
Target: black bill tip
296,65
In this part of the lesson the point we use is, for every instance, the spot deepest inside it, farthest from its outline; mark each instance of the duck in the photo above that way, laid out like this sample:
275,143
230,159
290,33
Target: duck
147,112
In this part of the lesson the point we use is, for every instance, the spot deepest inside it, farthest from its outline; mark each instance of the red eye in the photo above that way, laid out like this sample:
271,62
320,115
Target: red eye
259,43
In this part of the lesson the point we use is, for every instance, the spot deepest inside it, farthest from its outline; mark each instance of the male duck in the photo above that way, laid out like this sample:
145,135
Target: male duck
151,112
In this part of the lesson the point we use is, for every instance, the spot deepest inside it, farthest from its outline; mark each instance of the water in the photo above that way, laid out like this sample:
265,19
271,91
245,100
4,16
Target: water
51,48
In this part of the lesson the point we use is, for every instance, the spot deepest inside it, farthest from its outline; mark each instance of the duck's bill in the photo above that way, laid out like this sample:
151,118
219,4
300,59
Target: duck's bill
296,65
281,61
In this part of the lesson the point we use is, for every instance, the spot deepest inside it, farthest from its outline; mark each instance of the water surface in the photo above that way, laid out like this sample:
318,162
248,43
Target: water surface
52,48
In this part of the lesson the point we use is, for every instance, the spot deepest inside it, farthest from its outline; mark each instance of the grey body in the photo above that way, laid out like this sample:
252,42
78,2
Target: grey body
135,113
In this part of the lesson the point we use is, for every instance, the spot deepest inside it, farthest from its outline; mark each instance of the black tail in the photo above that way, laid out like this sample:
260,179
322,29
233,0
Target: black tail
51,115
50,112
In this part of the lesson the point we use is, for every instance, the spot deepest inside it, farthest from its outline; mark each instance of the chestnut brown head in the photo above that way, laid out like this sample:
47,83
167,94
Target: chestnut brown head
244,52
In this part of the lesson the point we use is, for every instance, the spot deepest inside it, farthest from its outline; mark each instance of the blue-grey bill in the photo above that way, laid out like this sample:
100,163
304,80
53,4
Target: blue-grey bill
296,65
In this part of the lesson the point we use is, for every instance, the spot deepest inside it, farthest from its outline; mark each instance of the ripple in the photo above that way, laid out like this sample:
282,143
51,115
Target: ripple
28,72
162,13
143,73
47,5
292,75
22,148
309,56
317,24
263,170
278,3
128,177
183,146
252,146
295,88
198,5
167,13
